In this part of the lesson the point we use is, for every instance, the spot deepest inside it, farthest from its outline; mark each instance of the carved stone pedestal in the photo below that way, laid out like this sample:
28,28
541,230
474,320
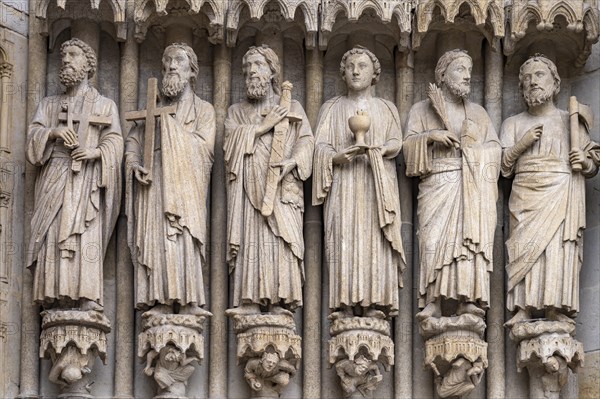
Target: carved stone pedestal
357,344
72,339
456,352
269,350
171,343
548,350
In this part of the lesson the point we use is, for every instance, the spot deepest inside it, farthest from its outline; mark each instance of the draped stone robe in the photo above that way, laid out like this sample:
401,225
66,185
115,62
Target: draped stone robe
74,213
167,219
547,213
266,254
363,243
456,202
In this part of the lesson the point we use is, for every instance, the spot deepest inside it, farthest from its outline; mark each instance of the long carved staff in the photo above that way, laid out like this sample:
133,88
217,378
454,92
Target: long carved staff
277,149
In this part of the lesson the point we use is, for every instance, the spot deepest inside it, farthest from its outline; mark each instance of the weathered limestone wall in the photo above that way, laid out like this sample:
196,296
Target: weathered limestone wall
127,60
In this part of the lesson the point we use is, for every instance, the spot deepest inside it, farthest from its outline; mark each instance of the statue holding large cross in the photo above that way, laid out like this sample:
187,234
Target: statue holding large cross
169,157
78,189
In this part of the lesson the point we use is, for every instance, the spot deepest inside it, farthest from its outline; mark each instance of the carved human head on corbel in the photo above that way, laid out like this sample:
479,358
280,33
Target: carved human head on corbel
78,62
262,72
269,361
539,80
453,71
180,69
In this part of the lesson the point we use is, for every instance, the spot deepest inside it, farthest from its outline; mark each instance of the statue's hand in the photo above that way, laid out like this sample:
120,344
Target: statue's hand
532,136
83,154
577,156
444,137
149,371
255,385
67,134
286,167
140,173
347,155
277,114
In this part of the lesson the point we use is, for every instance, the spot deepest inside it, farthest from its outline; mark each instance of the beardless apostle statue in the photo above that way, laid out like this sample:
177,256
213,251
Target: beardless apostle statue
547,201
75,139
167,216
452,146
358,186
264,216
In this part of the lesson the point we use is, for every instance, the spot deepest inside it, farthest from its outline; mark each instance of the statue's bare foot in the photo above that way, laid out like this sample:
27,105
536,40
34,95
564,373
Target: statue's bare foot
158,309
87,304
470,308
344,313
431,310
554,315
195,310
521,315
244,309
276,309
378,314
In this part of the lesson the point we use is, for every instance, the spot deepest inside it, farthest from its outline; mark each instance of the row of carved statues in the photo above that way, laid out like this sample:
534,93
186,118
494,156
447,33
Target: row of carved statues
270,150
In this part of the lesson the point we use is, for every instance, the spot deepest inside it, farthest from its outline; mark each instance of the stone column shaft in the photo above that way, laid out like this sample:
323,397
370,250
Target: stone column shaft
404,321
125,314
30,320
313,228
88,31
494,74
6,70
217,377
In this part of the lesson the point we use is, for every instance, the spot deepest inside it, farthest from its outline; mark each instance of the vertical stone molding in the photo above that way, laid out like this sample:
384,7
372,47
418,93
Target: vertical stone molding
6,71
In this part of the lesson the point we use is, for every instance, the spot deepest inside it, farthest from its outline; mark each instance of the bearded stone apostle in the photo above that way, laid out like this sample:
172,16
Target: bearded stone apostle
76,139
265,248
359,189
452,146
167,217
547,201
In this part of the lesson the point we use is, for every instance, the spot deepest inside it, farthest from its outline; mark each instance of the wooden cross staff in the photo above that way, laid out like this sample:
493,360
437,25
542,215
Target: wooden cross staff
85,119
148,115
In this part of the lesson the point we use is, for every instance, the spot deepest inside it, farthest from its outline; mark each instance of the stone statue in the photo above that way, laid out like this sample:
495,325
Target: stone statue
268,374
75,138
547,202
268,154
452,146
548,152
361,375
171,368
358,186
167,197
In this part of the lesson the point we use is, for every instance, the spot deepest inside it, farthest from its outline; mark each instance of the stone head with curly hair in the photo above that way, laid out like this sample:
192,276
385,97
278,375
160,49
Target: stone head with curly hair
78,62
372,57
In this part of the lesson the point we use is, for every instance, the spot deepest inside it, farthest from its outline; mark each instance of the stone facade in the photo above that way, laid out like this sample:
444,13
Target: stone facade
309,38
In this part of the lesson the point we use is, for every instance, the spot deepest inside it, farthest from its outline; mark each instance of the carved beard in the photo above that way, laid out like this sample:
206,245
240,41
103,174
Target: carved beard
459,89
70,76
173,85
537,96
257,87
